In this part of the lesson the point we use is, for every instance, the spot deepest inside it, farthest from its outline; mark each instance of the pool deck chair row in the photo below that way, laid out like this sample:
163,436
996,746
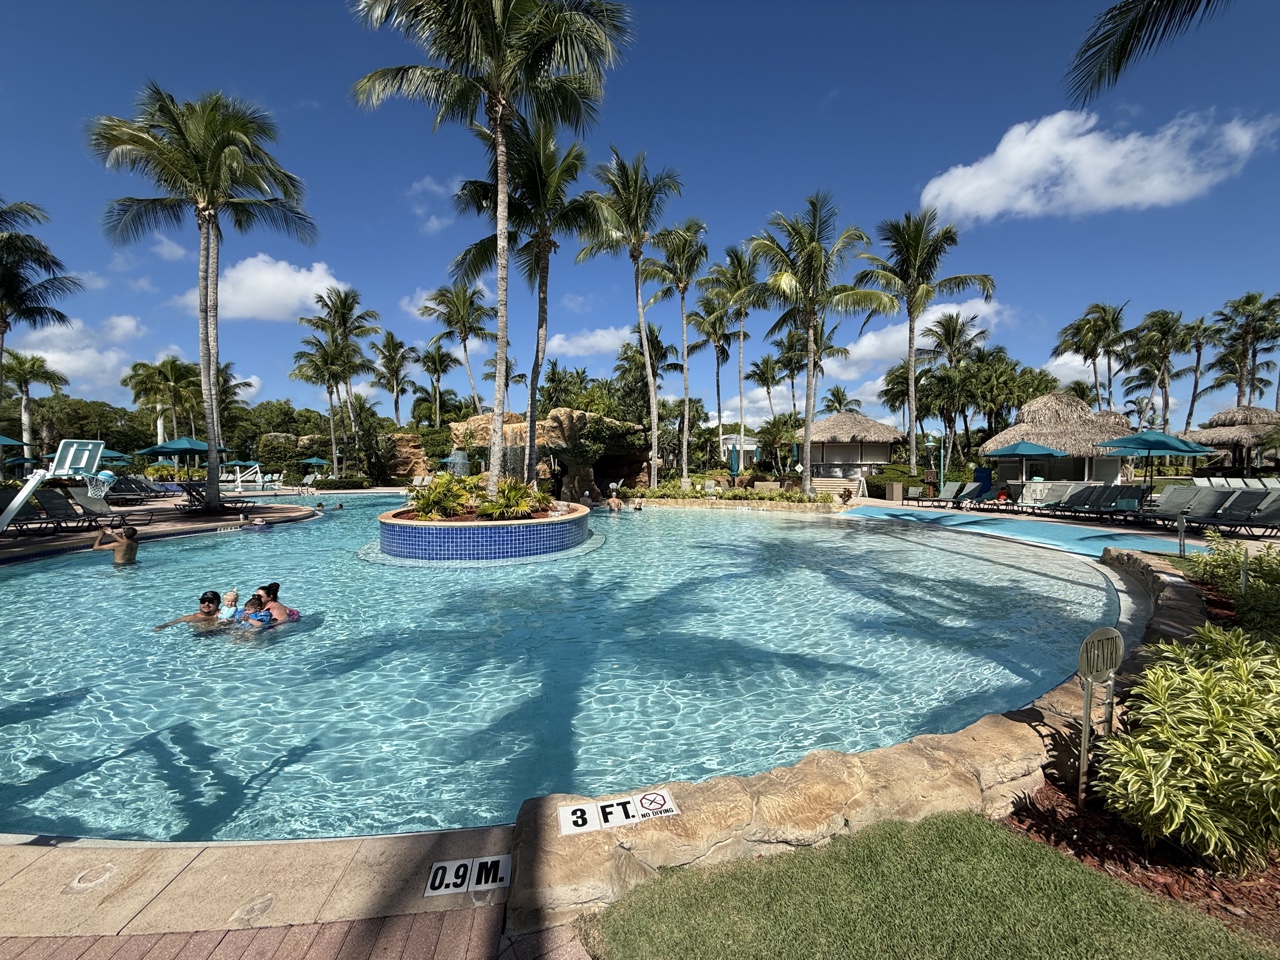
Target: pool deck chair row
1251,511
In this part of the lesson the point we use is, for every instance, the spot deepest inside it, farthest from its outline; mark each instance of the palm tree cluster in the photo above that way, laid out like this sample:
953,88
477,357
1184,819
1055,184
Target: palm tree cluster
1230,349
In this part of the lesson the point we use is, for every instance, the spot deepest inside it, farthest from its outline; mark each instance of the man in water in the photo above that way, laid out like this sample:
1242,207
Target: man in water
204,618
124,545
613,503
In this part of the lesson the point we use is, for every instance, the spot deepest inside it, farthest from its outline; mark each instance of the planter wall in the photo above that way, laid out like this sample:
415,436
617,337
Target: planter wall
481,539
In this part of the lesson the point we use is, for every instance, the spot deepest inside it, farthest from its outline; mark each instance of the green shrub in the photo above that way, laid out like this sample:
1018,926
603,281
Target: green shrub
1201,764
513,501
1258,609
343,483
445,496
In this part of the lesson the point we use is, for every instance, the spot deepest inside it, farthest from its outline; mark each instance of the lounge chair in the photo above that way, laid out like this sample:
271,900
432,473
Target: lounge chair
946,495
1078,497
101,510
1237,512
26,520
1253,483
1271,483
913,494
1235,483
196,502
307,483
1266,519
1119,500
1010,502
1205,506
1173,502
1218,483
1056,492
57,507
1201,482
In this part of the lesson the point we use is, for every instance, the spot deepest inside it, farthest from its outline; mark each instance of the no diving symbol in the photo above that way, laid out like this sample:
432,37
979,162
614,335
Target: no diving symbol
653,801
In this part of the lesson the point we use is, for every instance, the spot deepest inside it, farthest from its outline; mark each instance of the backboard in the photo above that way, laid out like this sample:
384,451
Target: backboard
77,457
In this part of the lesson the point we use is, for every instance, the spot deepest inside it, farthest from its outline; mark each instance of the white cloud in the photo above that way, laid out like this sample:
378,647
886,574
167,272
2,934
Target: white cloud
122,328
588,343
262,288
167,249
143,285
413,301
433,224
1070,367
172,350
91,280
253,389
427,197
75,352
430,185
1062,165
577,303
122,262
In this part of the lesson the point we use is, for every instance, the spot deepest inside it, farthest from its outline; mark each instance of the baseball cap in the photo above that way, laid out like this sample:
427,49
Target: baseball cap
210,596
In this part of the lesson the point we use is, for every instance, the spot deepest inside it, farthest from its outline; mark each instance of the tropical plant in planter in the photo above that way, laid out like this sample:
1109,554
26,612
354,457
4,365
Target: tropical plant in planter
440,499
514,500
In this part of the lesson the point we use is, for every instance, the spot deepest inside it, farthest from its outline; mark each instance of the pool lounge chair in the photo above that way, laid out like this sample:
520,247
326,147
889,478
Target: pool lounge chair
1205,507
971,492
946,495
1265,521
1201,482
196,502
1236,514
101,511
1009,503
1172,502
57,507
913,494
307,483
26,520
1078,497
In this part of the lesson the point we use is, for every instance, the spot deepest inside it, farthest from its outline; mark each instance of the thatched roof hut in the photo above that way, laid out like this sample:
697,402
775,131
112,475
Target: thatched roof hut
1064,422
1238,427
853,428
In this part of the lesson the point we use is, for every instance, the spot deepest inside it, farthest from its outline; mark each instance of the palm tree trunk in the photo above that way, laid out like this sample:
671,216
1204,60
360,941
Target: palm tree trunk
719,412
911,389
535,374
498,126
1195,388
215,250
24,413
466,362
810,403
1097,384
794,409
333,434
649,376
211,490
742,402
437,420
684,365
768,392
4,328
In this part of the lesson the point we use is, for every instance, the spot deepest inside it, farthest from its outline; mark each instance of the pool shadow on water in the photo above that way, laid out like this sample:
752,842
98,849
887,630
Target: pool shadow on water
41,707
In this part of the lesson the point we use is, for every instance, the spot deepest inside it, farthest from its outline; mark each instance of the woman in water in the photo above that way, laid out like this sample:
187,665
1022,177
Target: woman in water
270,595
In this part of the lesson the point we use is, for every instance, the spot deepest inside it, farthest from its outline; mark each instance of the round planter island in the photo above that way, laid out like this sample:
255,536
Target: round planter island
471,540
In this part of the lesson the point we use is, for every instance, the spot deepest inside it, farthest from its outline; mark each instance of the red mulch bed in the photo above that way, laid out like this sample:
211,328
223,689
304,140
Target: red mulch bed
1250,904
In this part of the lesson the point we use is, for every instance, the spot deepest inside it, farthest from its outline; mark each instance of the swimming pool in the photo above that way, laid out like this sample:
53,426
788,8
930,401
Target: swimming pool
683,644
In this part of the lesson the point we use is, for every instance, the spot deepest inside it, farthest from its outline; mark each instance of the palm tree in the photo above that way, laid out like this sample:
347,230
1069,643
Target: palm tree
1083,389
24,371
685,249
804,262
1125,33
838,401
437,363
626,217
711,323
539,210
344,321
208,158
916,247
394,359
169,386
1153,344
459,307
896,397
545,58
31,277
1093,336
766,373
1246,323
954,339
491,373
736,283
324,362
1200,334
792,358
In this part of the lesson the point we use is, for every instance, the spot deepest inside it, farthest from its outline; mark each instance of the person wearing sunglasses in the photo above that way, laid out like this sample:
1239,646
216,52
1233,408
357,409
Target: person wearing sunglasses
205,617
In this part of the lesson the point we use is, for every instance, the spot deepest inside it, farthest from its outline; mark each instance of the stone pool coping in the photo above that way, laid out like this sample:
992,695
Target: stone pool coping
63,887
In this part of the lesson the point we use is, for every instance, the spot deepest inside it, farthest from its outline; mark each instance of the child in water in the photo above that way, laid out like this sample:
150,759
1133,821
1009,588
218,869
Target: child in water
253,616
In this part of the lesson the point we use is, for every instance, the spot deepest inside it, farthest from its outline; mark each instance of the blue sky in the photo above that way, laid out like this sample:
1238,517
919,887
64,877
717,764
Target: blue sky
1161,194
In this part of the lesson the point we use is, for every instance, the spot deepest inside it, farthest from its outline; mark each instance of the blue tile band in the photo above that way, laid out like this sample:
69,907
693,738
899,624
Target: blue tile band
480,539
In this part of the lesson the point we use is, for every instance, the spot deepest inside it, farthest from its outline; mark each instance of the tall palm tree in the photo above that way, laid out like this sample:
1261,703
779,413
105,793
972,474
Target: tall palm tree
437,363
209,158
491,373
24,371
394,358
896,397
838,400
460,308
169,386
1246,322
343,320
736,283
31,277
1090,337
1153,344
1125,33
324,362
499,58
954,339
792,358
1200,334
711,323
766,373
627,212
539,210
803,260
685,249
916,246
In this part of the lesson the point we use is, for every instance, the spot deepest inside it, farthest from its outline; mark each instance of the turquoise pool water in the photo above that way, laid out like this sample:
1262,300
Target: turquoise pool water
681,645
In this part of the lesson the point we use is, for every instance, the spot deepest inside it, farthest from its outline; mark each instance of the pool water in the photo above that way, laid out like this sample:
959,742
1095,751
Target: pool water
684,645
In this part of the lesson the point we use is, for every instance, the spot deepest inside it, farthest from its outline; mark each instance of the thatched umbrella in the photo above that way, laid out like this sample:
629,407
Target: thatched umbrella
1240,430
1061,421
853,428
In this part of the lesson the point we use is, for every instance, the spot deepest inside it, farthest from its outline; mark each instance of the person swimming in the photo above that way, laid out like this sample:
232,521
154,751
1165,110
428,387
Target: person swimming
205,618
270,596
254,616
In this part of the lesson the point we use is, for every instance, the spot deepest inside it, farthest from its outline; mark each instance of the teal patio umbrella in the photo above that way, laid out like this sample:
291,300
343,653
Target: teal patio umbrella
315,462
1151,444
6,442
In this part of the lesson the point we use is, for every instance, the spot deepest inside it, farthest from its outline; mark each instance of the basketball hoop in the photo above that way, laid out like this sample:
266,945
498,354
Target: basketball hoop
99,484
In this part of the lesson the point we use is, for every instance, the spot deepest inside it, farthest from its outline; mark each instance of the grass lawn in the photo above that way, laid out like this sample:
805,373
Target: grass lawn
954,886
